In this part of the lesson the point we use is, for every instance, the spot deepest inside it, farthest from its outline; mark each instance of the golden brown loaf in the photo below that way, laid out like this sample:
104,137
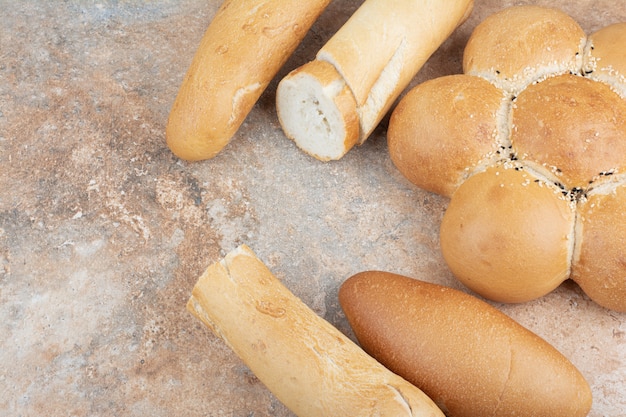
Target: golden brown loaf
547,114
243,48
374,56
307,363
470,358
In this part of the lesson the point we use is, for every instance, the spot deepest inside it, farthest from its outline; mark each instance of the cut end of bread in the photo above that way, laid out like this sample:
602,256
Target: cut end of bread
318,111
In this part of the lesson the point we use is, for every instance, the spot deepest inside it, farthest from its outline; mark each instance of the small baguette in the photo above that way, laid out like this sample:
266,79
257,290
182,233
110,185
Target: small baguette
243,48
375,54
470,358
307,363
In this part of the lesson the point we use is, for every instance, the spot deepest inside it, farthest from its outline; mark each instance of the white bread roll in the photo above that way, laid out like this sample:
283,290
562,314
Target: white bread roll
375,54
472,359
307,363
436,155
522,44
606,57
574,126
243,48
598,264
508,235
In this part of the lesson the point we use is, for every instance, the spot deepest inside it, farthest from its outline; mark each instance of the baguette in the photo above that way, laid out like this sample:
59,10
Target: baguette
374,55
243,48
307,363
470,358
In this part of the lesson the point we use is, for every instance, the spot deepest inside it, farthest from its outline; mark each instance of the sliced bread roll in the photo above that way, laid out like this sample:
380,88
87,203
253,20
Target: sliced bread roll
375,54
572,125
317,85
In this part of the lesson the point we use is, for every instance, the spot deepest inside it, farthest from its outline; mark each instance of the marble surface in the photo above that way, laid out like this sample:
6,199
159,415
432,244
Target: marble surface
103,232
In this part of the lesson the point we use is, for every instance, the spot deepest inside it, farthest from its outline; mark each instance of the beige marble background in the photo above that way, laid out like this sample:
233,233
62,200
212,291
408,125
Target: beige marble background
103,232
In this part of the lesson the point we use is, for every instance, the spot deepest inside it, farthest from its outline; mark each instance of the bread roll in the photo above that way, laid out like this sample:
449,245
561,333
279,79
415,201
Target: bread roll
522,44
606,57
473,360
561,124
599,264
508,235
307,363
579,131
437,155
375,55
243,48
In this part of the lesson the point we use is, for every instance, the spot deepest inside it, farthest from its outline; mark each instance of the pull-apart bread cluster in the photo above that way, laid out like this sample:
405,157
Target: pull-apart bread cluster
530,145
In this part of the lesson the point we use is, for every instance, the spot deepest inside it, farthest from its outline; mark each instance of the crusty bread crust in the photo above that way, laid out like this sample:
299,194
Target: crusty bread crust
307,363
243,48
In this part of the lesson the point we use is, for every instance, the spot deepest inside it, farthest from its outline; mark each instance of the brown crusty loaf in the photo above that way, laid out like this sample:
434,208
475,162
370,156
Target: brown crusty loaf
374,56
470,358
555,129
307,363
243,48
